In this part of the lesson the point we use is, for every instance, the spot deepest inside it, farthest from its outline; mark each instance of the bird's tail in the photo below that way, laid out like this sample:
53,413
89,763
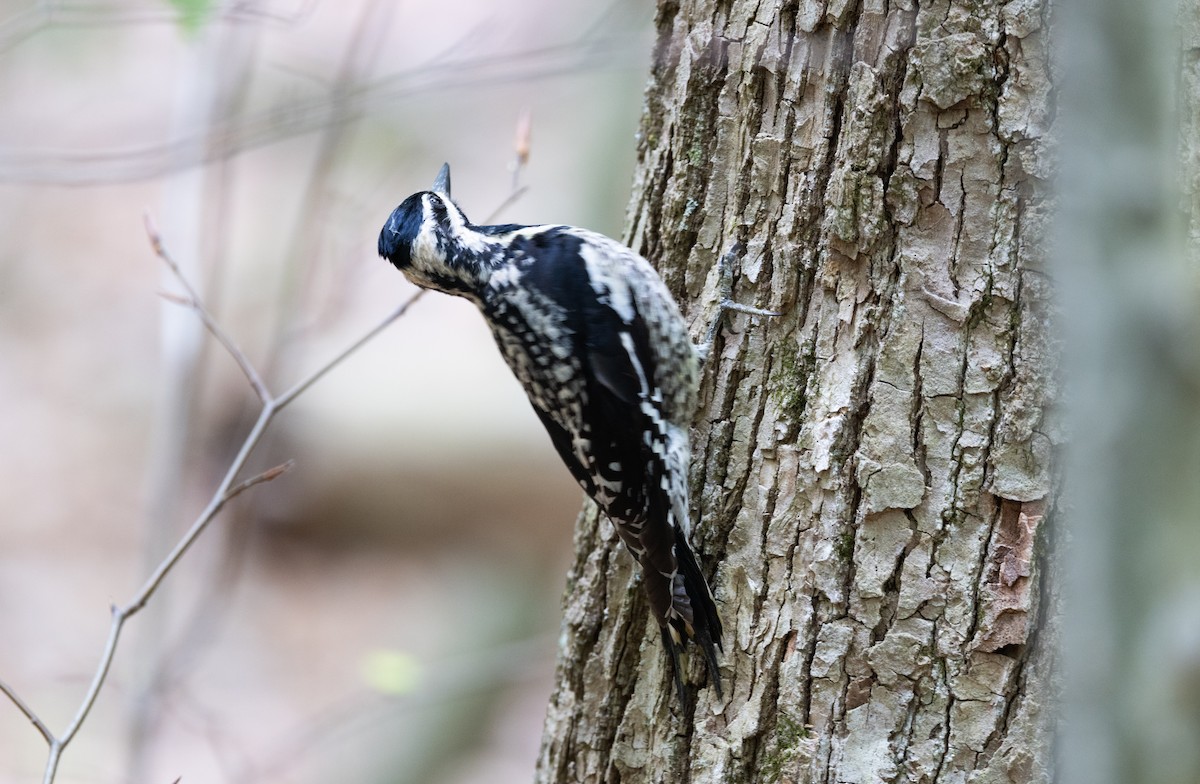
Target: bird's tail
695,617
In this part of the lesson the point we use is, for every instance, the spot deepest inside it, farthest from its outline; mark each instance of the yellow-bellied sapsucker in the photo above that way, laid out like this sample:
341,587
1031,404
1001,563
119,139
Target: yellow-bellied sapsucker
594,337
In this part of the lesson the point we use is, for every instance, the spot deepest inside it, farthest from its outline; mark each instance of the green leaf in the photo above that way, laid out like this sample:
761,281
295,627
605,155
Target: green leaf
391,672
192,13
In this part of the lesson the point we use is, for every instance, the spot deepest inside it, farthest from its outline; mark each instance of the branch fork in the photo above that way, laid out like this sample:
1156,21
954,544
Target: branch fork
225,492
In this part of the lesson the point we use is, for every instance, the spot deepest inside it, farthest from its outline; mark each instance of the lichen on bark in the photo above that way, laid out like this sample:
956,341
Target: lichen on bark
873,469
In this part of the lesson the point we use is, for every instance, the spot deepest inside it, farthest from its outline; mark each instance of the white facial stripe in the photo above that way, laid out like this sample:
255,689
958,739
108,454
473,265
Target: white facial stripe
458,223
425,246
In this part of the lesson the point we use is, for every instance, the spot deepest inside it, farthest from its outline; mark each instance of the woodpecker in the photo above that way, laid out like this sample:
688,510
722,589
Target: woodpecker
599,345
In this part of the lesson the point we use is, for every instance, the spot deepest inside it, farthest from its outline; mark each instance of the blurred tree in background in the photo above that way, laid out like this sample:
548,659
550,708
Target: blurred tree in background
1128,253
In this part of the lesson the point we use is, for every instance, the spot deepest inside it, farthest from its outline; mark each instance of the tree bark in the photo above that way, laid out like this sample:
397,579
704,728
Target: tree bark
872,476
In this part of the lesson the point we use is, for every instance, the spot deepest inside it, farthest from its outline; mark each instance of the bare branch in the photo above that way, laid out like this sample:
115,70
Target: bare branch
301,116
52,758
215,504
29,714
110,650
224,492
121,614
45,15
176,299
520,150
521,147
193,301
265,476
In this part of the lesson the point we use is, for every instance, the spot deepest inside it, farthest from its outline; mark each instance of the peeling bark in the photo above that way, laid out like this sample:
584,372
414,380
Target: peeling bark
872,482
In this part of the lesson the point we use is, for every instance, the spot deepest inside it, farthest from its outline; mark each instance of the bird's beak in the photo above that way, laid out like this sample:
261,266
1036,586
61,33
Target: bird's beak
442,183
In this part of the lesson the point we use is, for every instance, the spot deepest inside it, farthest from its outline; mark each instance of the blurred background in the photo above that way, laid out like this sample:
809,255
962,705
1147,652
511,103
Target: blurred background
387,610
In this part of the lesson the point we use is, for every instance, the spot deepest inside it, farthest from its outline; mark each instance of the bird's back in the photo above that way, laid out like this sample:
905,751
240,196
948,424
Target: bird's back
604,355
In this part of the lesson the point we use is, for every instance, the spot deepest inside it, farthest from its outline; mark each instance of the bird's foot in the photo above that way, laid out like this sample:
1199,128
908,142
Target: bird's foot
725,301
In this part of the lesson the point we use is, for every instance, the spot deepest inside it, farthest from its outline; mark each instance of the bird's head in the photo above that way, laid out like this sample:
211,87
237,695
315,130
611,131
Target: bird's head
430,240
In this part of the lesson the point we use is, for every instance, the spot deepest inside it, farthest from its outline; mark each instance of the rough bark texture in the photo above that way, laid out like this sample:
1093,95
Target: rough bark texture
872,470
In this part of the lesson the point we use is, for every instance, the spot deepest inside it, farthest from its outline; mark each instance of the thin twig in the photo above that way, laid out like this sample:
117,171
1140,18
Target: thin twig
194,302
521,147
215,504
56,750
121,614
29,714
124,613
140,162
265,476
119,617
46,14
224,493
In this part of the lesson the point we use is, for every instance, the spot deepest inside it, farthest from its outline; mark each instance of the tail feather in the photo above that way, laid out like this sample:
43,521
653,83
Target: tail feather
668,639
679,597
706,627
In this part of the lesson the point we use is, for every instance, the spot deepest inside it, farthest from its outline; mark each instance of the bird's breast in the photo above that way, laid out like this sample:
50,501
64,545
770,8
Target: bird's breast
536,341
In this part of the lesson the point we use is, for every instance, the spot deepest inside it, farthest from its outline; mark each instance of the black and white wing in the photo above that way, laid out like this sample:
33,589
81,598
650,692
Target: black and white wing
624,432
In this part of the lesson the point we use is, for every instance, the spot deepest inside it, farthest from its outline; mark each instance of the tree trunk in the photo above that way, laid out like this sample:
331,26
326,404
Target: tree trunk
871,470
